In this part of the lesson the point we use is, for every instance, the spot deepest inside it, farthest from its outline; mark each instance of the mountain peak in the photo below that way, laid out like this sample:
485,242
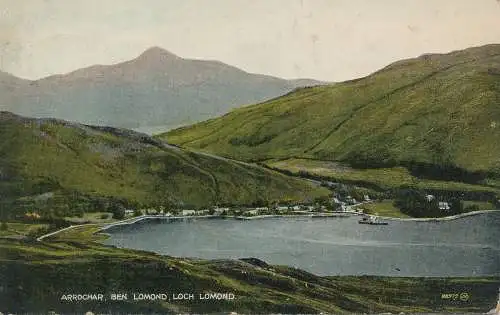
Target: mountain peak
156,88
157,53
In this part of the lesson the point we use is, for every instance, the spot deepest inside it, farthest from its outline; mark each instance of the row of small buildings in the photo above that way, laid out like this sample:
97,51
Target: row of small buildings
340,203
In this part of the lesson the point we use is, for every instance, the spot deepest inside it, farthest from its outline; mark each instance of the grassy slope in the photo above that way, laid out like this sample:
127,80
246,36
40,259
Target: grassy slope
383,208
382,178
120,163
435,109
482,205
21,229
34,275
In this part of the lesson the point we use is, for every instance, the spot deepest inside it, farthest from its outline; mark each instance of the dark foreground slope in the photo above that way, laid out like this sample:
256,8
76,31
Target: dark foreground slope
156,88
35,276
42,159
437,115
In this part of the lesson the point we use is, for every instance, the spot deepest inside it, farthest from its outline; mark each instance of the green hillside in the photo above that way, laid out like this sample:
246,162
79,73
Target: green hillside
437,115
35,275
50,160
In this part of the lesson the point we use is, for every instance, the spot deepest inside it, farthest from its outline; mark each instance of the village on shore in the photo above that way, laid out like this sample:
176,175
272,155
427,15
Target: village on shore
337,205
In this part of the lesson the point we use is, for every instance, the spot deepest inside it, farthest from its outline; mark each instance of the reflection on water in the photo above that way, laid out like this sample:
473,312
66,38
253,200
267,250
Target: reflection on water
331,246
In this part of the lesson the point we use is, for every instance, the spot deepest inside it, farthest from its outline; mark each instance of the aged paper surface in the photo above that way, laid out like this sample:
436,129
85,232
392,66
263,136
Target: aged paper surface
237,156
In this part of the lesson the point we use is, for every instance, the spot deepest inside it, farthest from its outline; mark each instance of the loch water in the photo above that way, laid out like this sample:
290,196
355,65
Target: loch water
468,246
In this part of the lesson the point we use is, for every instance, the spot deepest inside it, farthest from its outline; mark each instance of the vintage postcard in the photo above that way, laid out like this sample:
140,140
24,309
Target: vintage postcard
249,157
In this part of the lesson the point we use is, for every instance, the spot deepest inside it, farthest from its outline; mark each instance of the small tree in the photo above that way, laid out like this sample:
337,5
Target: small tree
496,201
331,207
322,200
259,203
343,191
456,206
117,210
79,212
4,226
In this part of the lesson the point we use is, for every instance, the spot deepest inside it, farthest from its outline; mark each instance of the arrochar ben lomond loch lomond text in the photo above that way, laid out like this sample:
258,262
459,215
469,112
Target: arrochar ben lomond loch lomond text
147,296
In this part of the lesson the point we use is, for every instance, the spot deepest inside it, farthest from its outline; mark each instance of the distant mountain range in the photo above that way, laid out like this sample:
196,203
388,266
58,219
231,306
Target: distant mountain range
157,88
438,113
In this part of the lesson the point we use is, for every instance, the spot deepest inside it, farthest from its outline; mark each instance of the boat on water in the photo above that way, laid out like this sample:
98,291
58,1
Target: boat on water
371,220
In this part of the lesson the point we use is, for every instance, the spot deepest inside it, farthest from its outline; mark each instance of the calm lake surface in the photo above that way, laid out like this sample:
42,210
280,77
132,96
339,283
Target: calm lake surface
330,246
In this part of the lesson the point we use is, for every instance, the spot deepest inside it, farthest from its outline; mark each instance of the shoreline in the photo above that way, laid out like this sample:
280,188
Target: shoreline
448,218
346,214
305,215
243,218
40,238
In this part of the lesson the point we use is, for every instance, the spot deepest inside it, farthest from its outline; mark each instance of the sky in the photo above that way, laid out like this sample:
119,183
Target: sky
331,40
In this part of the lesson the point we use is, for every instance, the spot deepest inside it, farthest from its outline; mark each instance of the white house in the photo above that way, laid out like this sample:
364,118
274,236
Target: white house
350,200
220,210
253,212
129,212
151,211
429,198
188,212
366,197
336,200
443,205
